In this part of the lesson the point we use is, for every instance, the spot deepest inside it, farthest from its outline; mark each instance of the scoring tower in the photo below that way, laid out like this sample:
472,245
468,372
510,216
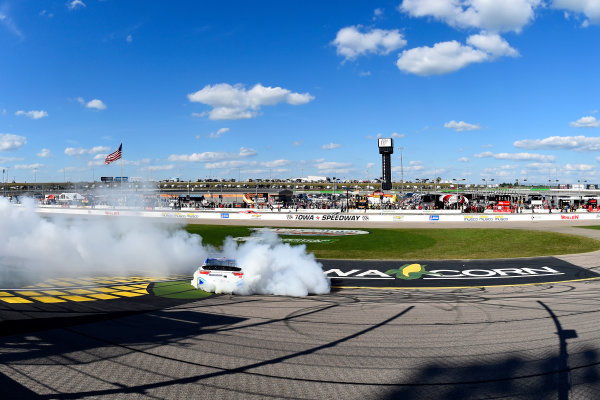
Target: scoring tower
386,148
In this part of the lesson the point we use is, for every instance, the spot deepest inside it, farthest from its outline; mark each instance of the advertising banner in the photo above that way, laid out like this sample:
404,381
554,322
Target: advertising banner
453,273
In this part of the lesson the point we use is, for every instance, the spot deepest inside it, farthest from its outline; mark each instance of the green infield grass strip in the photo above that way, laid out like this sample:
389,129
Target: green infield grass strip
178,290
597,227
427,244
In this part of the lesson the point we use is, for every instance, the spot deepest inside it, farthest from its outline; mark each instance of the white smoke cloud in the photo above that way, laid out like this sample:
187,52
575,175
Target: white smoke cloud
38,248
273,267
33,249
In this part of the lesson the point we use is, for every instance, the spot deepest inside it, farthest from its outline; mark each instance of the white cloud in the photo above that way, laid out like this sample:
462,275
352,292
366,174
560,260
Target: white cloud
28,166
377,13
96,104
231,164
80,151
45,13
151,168
10,159
502,171
129,39
492,44
411,166
487,146
576,143
235,102
331,146
395,135
517,156
10,142
8,22
33,114
586,122
351,43
461,126
442,58
589,8
96,162
490,15
297,143
333,167
73,169
463,159
219,133
579,167
227,165
212,156
540,166
275,163
44,153
72,5
447,57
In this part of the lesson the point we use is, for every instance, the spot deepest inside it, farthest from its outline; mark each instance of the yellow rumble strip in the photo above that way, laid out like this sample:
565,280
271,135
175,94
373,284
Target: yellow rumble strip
48,299
14,299
79,290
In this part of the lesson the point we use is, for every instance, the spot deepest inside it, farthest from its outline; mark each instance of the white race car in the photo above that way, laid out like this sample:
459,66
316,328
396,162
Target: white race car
219,275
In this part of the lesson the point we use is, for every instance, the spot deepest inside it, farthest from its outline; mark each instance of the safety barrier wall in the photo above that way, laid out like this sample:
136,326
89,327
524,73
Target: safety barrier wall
290,215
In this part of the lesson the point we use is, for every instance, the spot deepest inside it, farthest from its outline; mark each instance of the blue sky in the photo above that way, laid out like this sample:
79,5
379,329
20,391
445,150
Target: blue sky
473,89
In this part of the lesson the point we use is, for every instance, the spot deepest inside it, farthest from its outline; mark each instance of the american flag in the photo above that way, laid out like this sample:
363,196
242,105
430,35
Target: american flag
114,156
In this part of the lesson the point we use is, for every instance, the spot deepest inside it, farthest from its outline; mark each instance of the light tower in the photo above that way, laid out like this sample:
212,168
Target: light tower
386,148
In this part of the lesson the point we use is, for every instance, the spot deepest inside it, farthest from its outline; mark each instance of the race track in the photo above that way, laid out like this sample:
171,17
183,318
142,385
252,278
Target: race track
520,342
524,341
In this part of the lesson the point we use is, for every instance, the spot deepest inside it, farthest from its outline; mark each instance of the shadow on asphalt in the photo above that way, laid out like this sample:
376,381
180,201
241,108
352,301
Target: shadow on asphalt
512,377
123,337
25,318
555,377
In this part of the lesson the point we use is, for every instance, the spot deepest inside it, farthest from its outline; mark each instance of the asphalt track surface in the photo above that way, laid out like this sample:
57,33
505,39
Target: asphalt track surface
538,341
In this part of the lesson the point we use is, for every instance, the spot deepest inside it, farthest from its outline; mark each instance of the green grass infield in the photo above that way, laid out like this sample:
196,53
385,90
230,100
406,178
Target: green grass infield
425,244
597,227
178,290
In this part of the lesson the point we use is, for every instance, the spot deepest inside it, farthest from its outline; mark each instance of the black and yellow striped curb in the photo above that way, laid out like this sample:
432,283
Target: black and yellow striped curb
81,289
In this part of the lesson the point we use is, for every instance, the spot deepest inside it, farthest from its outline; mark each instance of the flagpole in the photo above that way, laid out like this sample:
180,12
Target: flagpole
121,170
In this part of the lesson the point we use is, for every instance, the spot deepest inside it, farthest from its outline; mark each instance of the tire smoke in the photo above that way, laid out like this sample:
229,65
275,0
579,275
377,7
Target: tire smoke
35,248
273,267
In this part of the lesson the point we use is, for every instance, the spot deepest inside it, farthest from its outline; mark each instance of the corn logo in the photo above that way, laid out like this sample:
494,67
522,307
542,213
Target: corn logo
410,271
